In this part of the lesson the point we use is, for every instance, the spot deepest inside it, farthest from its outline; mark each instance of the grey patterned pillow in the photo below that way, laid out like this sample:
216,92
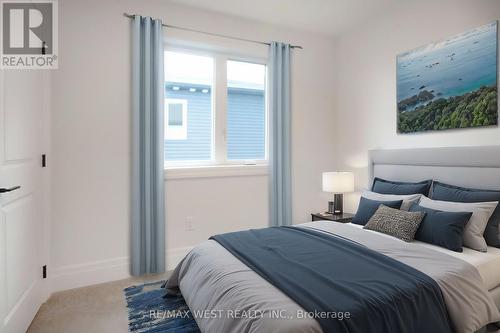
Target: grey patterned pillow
395,222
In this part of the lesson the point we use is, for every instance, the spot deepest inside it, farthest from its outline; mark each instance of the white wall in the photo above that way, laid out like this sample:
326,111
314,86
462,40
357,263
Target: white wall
365,112
90,162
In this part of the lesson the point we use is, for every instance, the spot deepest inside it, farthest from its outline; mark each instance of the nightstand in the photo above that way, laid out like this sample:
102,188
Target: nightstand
342,218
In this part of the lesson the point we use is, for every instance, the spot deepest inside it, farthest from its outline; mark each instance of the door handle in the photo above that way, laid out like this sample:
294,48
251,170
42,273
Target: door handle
5,190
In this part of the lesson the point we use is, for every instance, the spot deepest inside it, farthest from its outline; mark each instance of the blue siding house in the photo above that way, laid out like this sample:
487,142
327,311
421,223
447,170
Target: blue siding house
245,123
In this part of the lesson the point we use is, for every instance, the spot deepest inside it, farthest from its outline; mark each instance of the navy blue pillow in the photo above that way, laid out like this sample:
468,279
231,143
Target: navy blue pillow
368,207
440,228
401,188
445,192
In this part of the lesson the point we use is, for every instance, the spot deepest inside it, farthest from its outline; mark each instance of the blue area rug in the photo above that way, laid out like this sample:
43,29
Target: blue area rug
150,312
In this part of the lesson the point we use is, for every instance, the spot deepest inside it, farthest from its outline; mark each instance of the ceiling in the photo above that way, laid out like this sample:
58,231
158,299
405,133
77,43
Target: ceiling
330,17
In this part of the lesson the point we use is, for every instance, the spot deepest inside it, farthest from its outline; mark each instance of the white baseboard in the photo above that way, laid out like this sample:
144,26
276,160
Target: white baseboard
81,275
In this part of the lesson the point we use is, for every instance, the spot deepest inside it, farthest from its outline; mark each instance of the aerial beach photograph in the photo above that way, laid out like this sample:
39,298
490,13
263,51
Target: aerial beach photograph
449,84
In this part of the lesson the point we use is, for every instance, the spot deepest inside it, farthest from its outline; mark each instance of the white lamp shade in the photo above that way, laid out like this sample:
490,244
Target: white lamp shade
338,182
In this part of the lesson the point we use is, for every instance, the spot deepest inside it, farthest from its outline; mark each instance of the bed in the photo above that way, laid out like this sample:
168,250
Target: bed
476,167
212,278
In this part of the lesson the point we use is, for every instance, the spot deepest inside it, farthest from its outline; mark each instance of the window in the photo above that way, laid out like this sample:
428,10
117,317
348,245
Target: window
246,111
175,119
188,108
215,110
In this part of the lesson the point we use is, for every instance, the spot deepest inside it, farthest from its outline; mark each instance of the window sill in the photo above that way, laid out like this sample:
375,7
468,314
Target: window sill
215,171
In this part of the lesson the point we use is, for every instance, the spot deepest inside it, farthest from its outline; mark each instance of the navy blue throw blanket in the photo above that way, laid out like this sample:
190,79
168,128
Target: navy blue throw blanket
327,275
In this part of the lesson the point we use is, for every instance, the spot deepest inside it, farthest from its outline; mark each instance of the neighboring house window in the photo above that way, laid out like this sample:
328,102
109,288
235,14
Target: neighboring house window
175,119
201,128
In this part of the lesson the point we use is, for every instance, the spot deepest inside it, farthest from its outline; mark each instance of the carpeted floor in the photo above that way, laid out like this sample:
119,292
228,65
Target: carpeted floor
93,309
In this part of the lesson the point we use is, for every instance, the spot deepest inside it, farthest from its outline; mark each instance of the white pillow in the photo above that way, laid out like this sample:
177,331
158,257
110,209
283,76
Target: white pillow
474,229
408,200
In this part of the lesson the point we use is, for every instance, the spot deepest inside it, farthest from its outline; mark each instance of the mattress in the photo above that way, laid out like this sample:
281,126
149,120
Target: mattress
487,263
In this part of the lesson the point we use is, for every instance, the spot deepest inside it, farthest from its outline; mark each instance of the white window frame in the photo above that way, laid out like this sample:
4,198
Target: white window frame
175,132
188,169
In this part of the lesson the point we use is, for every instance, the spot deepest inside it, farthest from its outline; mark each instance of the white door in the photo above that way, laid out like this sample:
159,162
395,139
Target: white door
23,107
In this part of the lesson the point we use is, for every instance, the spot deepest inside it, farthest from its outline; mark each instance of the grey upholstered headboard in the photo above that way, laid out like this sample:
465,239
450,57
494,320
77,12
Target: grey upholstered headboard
477,167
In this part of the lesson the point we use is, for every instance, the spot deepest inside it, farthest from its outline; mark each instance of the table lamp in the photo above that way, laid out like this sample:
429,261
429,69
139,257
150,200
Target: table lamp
337,183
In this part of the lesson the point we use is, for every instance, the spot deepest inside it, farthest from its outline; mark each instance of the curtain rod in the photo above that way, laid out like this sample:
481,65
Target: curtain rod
215,34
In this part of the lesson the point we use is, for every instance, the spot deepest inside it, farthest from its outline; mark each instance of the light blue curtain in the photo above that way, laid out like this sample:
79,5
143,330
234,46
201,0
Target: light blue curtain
279,127
148,211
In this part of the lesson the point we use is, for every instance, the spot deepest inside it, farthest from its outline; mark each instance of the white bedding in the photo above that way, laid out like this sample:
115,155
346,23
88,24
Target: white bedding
487,263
